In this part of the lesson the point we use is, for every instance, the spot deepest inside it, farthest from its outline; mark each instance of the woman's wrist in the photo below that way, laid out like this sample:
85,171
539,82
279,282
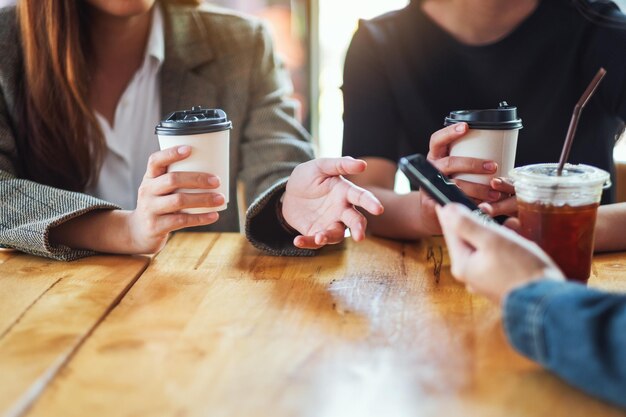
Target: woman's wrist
402,218
122,236
97,230
281,218
547,273
424,225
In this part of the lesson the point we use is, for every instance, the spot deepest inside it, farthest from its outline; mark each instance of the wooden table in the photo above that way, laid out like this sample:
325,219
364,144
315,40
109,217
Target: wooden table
214,328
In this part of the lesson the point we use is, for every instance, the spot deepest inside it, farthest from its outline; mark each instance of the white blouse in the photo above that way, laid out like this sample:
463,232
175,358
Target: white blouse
131,140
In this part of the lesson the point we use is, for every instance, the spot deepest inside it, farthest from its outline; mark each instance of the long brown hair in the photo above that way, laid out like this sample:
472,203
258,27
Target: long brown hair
61,143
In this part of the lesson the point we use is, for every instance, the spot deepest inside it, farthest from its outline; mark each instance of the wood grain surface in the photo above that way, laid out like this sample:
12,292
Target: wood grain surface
214,328
47,309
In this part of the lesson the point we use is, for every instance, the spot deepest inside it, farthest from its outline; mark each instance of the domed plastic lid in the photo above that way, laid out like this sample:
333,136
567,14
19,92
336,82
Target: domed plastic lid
502,118
545,175
194,122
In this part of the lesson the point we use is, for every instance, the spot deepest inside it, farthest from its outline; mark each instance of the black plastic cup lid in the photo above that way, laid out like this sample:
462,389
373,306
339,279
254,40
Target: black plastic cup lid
502,118
194,122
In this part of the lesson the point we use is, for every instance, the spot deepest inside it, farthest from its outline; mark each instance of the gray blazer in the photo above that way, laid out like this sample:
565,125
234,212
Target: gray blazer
213,58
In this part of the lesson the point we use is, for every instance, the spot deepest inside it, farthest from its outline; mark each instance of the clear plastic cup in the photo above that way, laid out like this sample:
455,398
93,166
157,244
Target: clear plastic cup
559,212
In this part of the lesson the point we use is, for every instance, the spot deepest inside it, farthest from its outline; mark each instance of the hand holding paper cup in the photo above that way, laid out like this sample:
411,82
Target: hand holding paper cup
492,136
207,132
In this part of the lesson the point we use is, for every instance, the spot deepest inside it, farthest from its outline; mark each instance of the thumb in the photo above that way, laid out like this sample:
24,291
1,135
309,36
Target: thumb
340,166
460,221
458,250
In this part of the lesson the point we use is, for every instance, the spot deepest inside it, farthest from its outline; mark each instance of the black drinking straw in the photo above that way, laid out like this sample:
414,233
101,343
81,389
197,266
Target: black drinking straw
573,124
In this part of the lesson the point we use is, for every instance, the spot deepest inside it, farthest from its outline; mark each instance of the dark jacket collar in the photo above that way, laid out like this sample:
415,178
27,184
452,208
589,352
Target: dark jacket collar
187,48
186,37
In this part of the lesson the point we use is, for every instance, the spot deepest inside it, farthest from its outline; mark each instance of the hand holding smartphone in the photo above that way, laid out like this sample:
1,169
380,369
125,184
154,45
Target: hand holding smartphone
421,173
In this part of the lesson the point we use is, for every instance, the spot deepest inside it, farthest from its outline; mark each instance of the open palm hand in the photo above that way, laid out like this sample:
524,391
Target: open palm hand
320,203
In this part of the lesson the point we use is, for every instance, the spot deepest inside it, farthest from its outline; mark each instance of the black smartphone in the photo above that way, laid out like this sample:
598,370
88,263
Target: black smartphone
421,173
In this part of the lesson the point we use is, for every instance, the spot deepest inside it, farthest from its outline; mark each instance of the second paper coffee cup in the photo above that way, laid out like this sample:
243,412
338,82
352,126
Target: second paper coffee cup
207,132
492,136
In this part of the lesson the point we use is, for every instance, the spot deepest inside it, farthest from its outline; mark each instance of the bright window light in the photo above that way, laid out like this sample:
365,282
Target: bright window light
338,21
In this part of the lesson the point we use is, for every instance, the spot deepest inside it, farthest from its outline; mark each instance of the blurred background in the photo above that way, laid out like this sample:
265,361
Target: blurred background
312,37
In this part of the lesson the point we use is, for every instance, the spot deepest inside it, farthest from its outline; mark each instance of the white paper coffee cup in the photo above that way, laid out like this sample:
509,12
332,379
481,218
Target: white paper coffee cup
492,145
207,133
492,136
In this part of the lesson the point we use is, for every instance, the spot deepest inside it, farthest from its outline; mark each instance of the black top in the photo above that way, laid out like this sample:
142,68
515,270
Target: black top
403,74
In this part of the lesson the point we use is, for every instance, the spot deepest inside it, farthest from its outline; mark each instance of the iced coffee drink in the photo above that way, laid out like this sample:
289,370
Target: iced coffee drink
559,212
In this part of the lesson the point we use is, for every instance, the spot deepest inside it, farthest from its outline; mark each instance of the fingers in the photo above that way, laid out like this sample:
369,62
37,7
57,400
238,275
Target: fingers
502,185
508,207
332,235
171,222
451,165
514,224
356,222
478,191
459,251
360,197
159,161
306,242
175,202
172,181
340,166
458,221
486,208
440,140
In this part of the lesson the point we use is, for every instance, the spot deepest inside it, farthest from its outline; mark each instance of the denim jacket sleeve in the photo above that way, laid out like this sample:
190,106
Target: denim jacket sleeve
576,332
